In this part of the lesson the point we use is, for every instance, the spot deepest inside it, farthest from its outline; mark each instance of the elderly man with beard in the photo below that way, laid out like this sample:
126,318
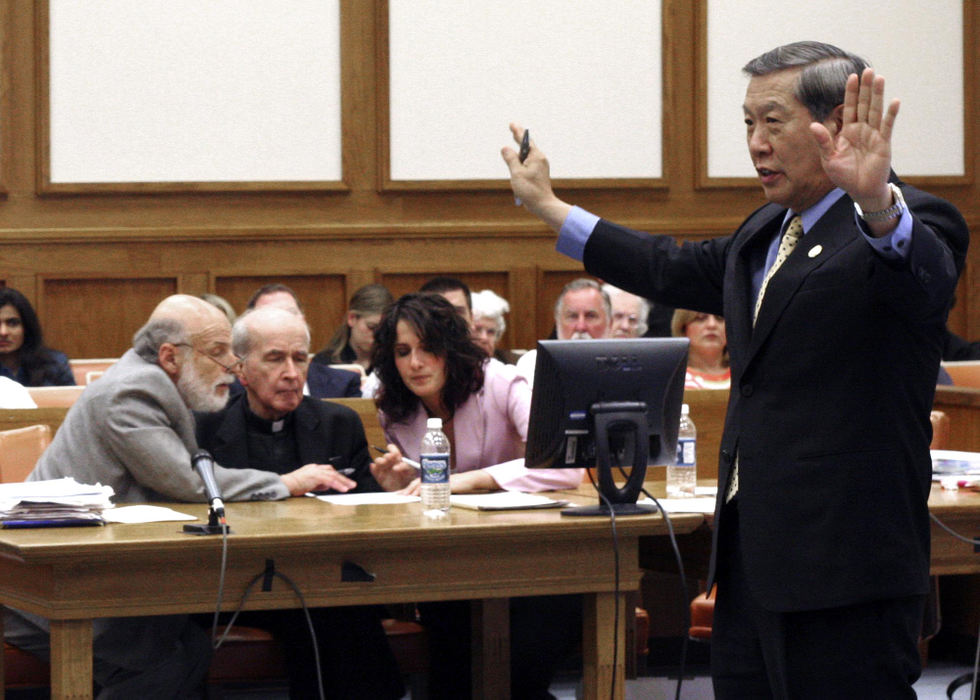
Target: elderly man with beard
133,430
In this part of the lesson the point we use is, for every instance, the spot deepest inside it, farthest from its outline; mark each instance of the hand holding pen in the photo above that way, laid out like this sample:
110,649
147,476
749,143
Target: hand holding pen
393,471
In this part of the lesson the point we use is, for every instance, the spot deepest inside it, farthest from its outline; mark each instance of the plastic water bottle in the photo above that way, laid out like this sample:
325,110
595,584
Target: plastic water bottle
682,477
434,458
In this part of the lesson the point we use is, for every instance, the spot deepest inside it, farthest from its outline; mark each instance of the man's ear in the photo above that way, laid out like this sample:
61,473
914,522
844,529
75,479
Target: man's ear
167,358
835,121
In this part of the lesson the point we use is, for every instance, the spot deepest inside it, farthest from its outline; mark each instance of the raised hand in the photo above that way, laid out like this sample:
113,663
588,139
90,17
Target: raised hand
858,157
531,182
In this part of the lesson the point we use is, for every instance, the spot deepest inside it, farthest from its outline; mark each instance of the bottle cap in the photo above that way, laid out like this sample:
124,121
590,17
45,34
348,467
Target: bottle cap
433,424
685,410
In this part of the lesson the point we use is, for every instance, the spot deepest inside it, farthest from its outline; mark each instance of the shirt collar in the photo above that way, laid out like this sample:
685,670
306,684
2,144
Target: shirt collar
809,217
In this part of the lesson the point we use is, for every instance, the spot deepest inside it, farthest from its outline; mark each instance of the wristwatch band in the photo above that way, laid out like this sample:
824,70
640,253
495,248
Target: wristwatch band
892,212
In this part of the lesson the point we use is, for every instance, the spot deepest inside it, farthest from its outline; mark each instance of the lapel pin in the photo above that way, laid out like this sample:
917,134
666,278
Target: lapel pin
815,251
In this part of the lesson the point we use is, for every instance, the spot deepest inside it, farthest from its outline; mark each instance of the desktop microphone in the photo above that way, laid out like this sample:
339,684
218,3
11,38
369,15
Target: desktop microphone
203,463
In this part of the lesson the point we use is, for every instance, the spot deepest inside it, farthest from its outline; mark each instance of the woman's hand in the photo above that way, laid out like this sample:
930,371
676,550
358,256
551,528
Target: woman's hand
391,472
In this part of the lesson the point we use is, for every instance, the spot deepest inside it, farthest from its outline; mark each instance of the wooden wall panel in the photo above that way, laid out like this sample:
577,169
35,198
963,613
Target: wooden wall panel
96,317
322,297
96,263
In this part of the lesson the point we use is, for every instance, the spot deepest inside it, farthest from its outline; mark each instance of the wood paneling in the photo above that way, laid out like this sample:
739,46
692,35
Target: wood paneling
322,297
96,317
96,263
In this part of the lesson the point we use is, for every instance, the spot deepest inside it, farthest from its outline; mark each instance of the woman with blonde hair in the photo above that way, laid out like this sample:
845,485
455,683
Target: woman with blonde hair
707,357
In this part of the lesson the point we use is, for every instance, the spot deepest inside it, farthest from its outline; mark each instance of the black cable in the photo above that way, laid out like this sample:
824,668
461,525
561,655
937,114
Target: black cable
680,570
954,533
306,613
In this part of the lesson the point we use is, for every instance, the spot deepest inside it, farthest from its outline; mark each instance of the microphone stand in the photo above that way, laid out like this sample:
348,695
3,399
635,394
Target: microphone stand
216,524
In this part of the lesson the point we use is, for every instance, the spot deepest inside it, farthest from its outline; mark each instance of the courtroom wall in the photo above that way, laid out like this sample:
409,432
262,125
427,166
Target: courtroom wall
355,141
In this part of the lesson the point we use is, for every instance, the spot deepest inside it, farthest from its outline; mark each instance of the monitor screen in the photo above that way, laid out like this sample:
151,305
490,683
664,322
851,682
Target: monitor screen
576,381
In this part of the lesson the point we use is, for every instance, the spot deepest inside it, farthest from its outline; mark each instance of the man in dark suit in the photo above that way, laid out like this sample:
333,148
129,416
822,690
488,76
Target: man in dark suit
835,296
273,426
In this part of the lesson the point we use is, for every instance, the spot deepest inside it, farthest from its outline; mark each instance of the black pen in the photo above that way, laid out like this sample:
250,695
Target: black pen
406,460
525,145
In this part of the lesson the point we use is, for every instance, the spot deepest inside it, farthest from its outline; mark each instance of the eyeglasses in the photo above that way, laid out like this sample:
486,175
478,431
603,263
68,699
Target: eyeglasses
631,319
228,368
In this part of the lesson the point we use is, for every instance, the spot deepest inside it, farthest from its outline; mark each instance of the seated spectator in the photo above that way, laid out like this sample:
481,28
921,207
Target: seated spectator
488,321
222,304
272,426
582,311
23,355
629,313
707,356
456,292
322,382
957,349
353,341
430,366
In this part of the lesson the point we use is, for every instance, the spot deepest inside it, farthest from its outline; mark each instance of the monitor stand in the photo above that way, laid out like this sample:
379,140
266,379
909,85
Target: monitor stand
617,416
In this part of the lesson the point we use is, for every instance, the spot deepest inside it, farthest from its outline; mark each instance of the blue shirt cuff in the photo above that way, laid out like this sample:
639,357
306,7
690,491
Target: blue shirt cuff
575,232
894,245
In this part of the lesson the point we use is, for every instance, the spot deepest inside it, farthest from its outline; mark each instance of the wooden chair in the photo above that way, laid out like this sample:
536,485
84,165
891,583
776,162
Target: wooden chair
368,414
55,396
964,373
20,449
83,367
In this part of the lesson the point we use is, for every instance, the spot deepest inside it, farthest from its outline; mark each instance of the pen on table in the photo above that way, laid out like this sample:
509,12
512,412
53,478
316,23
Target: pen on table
522,156
406,460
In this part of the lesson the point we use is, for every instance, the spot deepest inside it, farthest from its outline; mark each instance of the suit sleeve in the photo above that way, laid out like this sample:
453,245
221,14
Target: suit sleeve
144,436
688,276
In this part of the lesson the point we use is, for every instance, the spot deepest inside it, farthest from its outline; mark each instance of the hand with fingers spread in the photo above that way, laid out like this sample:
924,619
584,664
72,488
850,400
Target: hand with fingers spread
858,158
531,182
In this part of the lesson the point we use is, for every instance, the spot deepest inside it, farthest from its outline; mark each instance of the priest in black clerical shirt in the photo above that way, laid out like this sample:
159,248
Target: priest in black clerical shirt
273,427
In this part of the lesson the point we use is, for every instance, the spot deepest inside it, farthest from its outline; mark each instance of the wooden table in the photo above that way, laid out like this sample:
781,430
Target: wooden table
72,575
959,510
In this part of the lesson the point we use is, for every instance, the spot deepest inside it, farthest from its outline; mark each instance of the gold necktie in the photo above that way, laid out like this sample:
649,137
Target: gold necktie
792,236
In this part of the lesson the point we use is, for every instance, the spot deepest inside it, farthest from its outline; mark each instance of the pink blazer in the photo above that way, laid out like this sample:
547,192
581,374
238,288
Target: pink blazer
490,430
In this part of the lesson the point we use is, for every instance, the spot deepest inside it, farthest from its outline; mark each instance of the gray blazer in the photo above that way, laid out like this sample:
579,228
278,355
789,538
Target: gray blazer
130,430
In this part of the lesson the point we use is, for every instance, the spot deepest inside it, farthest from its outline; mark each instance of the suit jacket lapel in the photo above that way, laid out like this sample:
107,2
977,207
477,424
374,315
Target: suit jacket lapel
231,443
750,254
834,231
306,425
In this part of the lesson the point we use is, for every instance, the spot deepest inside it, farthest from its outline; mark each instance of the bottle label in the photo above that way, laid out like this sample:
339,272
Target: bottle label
435,469
685,452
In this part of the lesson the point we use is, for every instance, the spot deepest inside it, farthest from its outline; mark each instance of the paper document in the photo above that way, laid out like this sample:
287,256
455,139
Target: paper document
143,514
695,504
360,499
954,463
504,500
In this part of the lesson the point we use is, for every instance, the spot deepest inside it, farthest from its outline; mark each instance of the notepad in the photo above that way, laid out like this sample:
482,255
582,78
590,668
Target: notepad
504,500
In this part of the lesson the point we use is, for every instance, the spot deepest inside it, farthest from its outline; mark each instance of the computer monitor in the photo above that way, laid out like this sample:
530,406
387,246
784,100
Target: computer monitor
607,403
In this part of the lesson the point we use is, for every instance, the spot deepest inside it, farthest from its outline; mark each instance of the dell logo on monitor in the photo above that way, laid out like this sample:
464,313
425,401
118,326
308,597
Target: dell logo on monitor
618,363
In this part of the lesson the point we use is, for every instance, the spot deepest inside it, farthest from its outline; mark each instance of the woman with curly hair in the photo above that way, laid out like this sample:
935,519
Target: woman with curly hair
430,366
23,355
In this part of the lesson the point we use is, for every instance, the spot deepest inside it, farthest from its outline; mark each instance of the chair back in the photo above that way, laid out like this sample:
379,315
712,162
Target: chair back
55,396
368,413
20,449
964,373
87,369
940,430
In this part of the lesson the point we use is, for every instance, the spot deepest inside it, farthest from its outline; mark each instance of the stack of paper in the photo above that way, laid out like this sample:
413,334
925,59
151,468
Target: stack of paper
53,503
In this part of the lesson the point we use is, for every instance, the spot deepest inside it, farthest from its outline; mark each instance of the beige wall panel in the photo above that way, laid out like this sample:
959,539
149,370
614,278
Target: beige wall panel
93,317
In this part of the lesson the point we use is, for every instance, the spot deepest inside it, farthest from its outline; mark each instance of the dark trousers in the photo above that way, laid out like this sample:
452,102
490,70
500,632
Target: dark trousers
868,650
355,658
544,631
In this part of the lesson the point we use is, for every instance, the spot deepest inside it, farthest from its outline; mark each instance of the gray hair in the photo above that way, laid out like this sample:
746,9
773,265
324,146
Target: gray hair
148,339
820,87
579,284
241,331
641,327
488,304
